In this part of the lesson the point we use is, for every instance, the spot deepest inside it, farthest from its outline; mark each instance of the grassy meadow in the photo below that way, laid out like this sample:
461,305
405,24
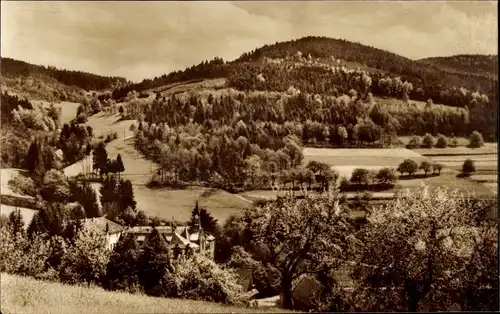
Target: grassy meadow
7,174
27,213
485,159
346,160
28,295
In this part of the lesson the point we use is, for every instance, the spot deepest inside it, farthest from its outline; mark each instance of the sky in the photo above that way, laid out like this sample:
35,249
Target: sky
144,39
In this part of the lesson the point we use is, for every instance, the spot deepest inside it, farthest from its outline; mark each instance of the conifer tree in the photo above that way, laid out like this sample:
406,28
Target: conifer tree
123,267
109,191
31,157
100,157
119,165
126,193
16,222
155,263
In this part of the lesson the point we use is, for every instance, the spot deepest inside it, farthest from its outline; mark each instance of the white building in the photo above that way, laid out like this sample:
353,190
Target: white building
112,230
180,238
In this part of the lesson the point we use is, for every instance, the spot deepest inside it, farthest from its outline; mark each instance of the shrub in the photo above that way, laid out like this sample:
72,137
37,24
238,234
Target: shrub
414,142
409,166
436,168
200,278
86,260
11,250
55,186
81,118
23,185
468,167
360,176
476,140
442,141
35,255
343,184
386,176
367,196
428,141
454,142
425,166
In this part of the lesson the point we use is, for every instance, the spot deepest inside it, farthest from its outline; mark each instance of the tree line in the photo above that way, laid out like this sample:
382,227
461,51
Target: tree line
214,68
327,119
87,81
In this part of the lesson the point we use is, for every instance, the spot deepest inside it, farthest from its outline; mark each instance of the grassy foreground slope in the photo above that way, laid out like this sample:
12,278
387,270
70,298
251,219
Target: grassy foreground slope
28,295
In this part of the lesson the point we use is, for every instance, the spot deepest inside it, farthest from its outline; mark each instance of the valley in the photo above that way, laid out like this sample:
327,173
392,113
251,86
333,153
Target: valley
314,174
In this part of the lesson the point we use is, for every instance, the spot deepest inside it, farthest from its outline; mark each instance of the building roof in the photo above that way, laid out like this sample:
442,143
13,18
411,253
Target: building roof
168,232
98,224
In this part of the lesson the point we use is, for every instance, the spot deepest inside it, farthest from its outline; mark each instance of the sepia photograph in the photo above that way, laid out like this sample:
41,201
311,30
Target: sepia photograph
249,156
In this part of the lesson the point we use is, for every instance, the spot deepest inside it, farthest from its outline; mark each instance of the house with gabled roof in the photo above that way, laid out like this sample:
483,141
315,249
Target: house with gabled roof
179,237
111,229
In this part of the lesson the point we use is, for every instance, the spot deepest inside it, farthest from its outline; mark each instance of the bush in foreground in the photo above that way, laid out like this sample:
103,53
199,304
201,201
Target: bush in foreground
200,278
430,249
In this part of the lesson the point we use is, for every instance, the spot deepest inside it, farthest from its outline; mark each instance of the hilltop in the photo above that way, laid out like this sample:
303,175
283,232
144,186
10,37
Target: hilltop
332,67
51,84
428,79
483,65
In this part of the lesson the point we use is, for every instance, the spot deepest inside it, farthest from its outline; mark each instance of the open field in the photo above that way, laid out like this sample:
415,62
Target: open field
461,141
362,157
346,160
27,213
270,195
68,109
28,295
485,159
192,86
164,203
168,203
7,174
487,149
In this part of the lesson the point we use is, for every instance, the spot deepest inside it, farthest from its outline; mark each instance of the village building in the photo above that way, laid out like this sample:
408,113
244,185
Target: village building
111,229
178,239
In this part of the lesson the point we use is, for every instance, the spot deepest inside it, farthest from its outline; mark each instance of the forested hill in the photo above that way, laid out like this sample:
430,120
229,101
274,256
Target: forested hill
13,69
429,81
486,65
428,74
